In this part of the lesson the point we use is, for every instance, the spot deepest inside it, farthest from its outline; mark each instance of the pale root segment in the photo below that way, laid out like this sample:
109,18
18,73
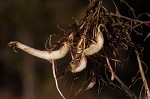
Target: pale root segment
55,78
94,48
78,67
92,83
53,55
50,56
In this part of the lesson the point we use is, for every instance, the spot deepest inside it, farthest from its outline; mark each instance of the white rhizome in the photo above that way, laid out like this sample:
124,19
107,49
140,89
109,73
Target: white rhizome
77,64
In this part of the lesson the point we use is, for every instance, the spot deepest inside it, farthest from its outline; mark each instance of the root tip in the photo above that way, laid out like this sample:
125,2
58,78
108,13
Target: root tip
12,44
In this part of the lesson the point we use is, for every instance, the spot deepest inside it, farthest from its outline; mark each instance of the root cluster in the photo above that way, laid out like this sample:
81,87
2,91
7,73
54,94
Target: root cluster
96,34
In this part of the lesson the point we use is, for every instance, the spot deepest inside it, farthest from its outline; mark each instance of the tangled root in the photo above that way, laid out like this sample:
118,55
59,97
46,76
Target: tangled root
96,34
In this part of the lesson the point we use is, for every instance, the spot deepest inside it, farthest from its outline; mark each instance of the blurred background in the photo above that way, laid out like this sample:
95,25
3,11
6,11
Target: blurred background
31,22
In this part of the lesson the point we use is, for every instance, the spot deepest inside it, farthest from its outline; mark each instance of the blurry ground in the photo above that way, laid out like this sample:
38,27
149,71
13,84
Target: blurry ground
31,22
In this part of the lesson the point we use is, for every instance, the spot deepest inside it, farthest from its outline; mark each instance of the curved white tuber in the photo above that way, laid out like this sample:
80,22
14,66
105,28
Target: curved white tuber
42,54
94,48
78,67
92,83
